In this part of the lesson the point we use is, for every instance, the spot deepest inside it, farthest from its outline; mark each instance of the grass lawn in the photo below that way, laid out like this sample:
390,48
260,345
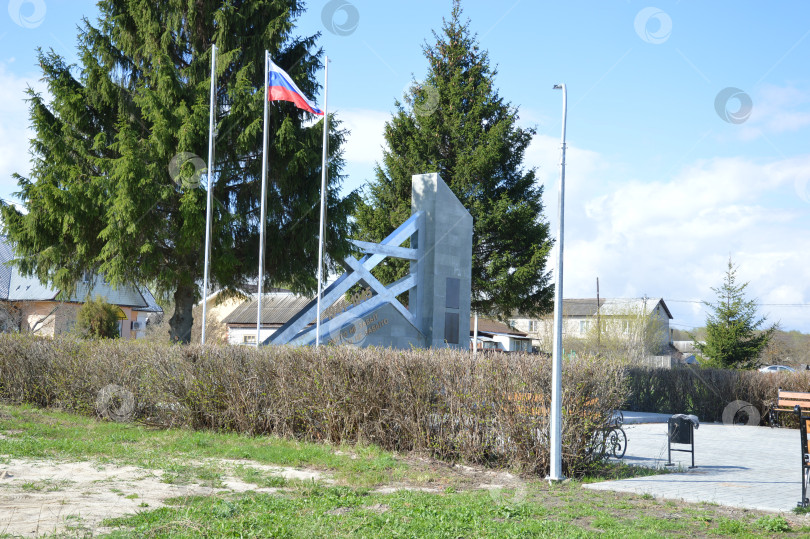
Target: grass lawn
352,491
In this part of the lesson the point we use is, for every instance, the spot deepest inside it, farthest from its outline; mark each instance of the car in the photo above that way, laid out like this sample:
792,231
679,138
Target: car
777,368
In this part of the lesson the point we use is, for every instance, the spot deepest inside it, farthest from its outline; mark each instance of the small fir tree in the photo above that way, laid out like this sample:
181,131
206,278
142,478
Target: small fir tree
457,124
97,319
733,335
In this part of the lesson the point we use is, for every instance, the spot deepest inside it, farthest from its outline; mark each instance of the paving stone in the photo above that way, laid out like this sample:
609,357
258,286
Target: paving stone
738,466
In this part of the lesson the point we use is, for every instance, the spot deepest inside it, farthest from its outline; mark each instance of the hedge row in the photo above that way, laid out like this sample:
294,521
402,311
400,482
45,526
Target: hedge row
707,393
490,409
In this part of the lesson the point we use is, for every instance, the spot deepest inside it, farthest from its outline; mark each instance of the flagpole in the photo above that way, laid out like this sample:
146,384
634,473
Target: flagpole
323,196
265,91
210,195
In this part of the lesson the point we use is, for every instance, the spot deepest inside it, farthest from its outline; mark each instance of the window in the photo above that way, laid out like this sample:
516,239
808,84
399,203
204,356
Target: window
583,326
249,339
533,325
519,345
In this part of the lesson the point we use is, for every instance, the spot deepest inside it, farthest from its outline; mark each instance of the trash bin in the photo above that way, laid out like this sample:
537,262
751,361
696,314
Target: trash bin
681,430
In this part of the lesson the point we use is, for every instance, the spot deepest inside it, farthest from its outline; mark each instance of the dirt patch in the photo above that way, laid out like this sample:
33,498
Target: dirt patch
438,475
48,496
279,471
42,496
433,476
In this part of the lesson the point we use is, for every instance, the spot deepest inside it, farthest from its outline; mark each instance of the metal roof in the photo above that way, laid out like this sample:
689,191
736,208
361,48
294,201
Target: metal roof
586,307
15,286
125,295
581,307
151,304
277,308
488,326
6,254
619,307
22,288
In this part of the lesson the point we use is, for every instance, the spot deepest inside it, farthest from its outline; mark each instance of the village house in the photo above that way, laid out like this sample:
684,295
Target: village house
497,336
616,316
28,305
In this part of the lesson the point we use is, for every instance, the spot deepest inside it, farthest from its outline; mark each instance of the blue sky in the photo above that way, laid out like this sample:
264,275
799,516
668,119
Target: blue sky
663,183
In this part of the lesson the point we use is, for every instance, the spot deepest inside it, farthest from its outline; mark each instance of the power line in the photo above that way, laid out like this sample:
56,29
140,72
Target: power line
758,304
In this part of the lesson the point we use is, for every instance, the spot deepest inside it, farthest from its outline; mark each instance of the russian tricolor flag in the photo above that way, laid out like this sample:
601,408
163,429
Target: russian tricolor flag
280,87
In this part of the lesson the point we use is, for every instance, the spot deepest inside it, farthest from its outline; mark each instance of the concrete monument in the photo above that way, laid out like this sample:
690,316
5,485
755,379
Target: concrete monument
438,286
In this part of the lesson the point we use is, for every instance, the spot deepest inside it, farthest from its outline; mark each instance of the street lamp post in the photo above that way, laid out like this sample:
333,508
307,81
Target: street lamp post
555,472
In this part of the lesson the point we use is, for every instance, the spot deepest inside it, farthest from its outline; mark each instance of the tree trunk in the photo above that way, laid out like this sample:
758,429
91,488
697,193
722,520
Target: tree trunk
181,320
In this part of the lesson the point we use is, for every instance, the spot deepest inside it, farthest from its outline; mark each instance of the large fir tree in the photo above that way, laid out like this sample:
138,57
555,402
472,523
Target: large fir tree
107,191
733,335
456,124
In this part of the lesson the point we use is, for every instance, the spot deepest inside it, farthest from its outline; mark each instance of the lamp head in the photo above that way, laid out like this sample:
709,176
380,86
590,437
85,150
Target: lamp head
557,87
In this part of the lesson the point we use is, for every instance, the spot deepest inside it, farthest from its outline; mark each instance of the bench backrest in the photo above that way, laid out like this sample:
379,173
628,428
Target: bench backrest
790,399
804,433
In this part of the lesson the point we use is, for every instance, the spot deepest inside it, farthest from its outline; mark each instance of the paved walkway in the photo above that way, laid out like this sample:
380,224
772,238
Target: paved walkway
738,466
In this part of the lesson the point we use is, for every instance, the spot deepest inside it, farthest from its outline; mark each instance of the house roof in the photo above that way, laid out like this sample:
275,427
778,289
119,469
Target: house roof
586,307
278,307
151,304
491,327
14,286
5,270
581,307
618,307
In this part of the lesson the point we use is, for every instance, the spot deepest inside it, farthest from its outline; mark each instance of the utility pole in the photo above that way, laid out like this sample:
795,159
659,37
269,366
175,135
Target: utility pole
555,427
598,324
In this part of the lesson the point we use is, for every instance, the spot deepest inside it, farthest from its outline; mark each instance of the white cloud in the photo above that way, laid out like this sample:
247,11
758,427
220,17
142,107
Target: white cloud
364,145
672,237
365,142
544,154
777,109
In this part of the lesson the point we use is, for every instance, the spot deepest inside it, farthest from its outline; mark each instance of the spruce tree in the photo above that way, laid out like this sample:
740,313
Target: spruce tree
733,335
97,319
456,124
115,183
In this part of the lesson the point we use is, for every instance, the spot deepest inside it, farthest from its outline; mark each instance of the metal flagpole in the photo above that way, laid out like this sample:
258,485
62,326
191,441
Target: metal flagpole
555,473
323,197
210,198
264,198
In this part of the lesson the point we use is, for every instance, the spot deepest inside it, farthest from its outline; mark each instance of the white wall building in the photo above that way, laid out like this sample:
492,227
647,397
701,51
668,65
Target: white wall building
619,316
494,335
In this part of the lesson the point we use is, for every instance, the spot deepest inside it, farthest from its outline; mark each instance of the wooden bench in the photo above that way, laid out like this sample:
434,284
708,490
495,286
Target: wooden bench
804,431
786,401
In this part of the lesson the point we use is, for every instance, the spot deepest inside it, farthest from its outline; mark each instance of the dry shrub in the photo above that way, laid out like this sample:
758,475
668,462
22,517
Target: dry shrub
707,392
489,409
